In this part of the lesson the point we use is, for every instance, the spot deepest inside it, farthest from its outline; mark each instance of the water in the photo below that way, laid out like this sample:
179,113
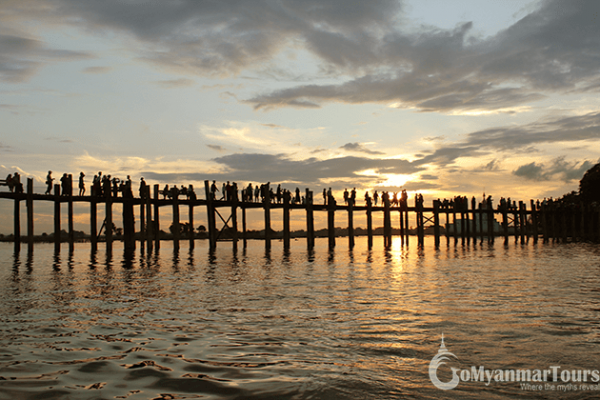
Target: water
297,325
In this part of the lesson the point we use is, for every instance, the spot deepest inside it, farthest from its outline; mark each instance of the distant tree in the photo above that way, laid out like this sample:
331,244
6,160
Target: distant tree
201,228
589,185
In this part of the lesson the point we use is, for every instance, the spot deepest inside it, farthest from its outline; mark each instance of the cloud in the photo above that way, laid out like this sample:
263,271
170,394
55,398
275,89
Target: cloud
215,147
517,138
21,57
558,169
550,50
176,83
96,70
359,148
365,50
312,172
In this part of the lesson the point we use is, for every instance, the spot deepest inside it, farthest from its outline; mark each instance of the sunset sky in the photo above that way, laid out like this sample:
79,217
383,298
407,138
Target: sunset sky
442,97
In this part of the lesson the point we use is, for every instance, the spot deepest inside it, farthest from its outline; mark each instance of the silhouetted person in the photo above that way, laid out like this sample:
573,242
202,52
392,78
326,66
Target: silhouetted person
325,196
9,182
297,195
17,183
81,184
64,184
346,196
376,197
143,187
353,196
49,180
165,191
214,190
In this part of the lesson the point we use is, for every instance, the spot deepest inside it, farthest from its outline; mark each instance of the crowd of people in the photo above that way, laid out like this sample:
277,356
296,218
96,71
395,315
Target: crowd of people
13,181
103,185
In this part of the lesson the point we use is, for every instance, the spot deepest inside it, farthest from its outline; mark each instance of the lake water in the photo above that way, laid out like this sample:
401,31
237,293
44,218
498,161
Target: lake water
342,324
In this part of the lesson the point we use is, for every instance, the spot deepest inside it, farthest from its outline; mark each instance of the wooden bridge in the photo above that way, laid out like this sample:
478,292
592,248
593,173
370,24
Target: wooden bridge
553,222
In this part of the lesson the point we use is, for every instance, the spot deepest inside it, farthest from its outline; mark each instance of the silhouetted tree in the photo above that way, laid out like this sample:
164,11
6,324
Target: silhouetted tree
589,185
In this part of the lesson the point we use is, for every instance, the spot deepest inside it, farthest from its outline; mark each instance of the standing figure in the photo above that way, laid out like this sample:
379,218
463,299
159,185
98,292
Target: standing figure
49,180
81,184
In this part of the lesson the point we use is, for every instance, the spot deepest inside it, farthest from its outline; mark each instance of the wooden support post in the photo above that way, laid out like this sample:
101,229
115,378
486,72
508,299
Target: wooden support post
522,219
481,232
534,221
143,230
149,221
94,223
544,223
29,203
447,233
474,211
420,223
234,207
401,213
176,225
156,225
350,223
331,206
128,222
70,215
267,207
462,226
310,220
370,223
505,224
490,225
56,218
406,226
454,225
387,223
17,225
436,222
108,221
286,220
562,215
467,221
191,230
244,237
516,224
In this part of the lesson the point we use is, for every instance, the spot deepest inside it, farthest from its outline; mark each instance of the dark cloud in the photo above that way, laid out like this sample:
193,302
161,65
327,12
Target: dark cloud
552,49
220,37
359,148
516,139
558,169
361,44
310,172
215,147
21,57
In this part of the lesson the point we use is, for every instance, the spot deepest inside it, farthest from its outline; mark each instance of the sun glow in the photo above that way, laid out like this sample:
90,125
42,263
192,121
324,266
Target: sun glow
396,180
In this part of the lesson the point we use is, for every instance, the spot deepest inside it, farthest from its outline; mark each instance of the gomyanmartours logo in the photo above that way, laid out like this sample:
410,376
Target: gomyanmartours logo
530,379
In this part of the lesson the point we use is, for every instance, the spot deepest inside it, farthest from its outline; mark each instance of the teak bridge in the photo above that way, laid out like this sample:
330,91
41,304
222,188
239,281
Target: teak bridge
553,222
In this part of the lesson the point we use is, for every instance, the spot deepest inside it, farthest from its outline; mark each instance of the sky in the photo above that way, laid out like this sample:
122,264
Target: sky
439,97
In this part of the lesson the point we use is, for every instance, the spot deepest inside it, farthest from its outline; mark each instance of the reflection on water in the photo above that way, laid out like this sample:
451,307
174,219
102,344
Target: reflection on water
320,324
